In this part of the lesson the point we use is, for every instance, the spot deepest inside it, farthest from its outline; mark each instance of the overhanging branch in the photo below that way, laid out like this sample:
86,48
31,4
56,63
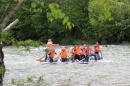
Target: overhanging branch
10,25
11,12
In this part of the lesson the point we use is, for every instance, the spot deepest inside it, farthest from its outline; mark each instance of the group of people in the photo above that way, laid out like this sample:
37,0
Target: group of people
79,52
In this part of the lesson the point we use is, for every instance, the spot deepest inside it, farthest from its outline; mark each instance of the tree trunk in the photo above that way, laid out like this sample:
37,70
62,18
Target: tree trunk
2,66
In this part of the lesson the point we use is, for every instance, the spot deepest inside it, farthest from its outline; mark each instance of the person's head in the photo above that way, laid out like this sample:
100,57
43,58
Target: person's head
78,45
88,45
49,40
97,43
63,49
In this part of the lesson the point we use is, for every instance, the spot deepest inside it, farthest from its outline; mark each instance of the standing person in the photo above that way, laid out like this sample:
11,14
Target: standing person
63,55
50,44
97,44
97,51
51,55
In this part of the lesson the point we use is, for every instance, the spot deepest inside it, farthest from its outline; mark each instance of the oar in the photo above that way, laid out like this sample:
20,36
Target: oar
101,55
40,59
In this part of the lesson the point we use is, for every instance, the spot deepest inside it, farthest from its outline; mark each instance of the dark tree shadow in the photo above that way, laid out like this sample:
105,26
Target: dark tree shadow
2,66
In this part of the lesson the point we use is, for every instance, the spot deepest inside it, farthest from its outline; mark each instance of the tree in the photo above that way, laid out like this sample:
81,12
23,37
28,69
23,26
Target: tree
3,22
36,7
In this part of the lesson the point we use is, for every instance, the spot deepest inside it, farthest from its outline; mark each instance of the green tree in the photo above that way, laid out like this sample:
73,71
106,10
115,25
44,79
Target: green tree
36,6
110,19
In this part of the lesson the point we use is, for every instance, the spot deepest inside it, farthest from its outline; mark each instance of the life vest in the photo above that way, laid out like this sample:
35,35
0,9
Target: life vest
73,51
83,51
88,51
97,45
52,54
63,54
77,50
49,44
96,49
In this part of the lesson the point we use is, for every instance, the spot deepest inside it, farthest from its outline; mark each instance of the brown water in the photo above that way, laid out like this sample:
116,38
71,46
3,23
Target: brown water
21,64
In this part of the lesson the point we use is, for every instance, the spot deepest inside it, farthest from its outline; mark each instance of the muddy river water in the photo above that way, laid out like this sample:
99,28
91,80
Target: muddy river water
21,64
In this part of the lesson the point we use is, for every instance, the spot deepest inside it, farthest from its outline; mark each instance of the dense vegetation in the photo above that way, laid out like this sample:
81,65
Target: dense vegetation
106,21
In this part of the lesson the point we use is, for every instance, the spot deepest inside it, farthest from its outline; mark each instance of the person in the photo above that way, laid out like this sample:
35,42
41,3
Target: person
50,44
44,57
51,55
63,55
46,54
72,51
77,52
83,49
89,53
97,44
97,51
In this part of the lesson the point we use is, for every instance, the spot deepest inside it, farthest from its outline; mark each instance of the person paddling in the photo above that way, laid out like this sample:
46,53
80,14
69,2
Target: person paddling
50,44
63,55
51,55
72,51
89,53
78,52
44,57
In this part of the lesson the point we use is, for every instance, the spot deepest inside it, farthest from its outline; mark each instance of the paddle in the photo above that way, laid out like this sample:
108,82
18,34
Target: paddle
40,59
101,56
47,50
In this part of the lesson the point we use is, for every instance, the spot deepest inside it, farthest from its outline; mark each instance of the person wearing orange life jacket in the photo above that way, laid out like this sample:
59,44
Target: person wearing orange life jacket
51,55
97,51
89,53
77,52
50,44
97,44
63,55
72,51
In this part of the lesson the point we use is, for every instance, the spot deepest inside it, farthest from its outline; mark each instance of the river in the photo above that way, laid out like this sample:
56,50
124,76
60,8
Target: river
21,64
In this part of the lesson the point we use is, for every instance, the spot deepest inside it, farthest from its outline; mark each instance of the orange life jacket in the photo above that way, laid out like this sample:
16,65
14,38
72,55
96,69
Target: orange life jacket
83,51
97,45
49,44
96,49
88,51
63,54
52,54
77,50
73,51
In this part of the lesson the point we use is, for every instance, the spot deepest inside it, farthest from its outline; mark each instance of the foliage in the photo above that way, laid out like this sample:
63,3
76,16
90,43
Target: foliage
29,81
109,19
2,69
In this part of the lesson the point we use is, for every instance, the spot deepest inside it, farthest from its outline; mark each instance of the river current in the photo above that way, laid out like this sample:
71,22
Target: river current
21,64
